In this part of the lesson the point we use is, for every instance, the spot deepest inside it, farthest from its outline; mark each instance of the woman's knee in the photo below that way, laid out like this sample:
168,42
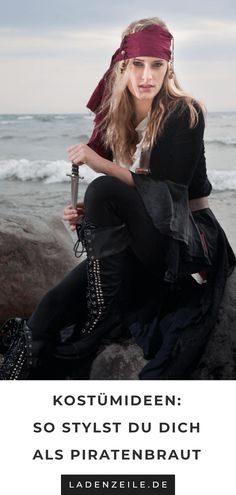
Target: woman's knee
100,189
102,200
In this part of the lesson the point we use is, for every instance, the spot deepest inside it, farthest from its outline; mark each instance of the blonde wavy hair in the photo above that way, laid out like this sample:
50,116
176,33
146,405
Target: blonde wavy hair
118,123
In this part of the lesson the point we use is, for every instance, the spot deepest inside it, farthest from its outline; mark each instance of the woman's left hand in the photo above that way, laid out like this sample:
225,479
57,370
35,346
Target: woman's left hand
82,153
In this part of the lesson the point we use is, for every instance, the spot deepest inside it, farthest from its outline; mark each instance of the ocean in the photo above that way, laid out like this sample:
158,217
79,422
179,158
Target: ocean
33,157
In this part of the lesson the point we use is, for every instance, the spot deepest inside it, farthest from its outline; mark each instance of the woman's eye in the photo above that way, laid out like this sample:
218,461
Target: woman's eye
137,63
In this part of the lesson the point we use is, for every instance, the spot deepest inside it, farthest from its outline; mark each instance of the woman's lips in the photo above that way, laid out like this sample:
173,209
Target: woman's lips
146,86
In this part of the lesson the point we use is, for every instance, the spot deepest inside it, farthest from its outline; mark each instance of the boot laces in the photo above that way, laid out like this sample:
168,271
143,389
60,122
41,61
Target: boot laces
80,245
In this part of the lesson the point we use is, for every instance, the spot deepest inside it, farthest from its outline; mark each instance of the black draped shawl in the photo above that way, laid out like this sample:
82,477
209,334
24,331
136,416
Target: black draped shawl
175,324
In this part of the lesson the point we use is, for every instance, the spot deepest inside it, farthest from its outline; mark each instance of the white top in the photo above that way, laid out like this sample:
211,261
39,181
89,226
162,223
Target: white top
141,130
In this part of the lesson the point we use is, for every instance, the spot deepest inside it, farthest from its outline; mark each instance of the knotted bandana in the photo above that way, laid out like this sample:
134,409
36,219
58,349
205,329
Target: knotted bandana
153,41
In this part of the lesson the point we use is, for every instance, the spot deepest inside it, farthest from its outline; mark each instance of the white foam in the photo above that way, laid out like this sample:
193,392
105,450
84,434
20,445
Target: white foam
223,180
25,117
41,170
55,171
89,116
6,122
230,141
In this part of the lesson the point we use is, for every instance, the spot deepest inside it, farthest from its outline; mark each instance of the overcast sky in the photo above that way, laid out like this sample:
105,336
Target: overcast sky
53,52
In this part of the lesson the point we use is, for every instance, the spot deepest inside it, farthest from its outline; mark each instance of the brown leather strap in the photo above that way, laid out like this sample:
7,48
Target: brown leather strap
198,204
143,171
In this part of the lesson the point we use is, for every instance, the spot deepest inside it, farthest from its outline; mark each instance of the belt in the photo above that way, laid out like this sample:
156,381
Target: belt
198,204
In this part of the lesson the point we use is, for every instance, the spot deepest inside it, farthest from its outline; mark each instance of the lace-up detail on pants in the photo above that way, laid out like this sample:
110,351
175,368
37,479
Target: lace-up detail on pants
94,292
95,297
80,245
106,251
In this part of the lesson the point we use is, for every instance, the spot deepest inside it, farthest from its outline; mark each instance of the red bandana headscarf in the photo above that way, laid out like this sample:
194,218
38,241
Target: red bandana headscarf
153,41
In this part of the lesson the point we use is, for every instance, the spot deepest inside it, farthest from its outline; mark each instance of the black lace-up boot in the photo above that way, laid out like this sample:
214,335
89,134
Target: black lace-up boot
106,250
16,345
8,331
20,352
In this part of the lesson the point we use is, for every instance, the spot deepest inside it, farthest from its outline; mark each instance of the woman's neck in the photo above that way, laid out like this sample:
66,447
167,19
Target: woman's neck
141,110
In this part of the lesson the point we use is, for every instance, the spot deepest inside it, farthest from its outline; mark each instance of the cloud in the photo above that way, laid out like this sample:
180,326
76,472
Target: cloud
212,40
57,43
54,52
77,13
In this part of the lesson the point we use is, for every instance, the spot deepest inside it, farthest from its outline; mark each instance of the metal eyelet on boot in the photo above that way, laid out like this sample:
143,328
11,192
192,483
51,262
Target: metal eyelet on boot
95,296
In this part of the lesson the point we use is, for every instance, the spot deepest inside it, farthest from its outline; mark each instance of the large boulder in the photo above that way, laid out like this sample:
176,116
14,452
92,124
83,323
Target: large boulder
35,254
218,362
219,359
118,362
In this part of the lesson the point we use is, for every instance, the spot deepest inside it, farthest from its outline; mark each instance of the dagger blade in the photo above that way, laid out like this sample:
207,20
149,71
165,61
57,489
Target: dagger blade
74,184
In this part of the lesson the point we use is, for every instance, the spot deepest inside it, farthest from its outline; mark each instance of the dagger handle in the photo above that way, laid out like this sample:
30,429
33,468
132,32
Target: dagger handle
74,169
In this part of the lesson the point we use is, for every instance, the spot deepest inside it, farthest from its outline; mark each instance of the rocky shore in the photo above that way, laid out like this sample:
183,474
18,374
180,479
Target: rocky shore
35,253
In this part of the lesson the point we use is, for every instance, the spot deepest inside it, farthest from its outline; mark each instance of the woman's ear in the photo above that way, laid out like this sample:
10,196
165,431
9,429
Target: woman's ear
170,72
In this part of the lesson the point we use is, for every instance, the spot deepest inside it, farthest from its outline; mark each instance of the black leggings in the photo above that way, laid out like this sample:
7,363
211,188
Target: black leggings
108,202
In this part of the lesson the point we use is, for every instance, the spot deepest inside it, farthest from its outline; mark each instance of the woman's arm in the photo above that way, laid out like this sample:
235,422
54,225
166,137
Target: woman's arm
114,170
83,154
180,151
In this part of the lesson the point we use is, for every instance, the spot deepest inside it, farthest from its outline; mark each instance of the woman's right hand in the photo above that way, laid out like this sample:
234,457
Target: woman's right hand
73,215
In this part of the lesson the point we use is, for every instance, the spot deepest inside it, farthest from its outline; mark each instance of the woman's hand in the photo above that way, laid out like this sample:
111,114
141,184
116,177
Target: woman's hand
82,153
72,215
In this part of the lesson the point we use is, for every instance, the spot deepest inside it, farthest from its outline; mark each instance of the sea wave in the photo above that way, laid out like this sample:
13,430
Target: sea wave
55,171
25,117
90,116
223,180
6,122
228,141
46,137
41,170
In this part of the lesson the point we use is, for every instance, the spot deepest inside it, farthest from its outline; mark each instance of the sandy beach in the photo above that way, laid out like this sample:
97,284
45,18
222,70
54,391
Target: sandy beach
223,204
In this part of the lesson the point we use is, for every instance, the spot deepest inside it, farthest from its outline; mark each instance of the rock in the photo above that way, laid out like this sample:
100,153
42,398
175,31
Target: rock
125,361
118,362
35,254
219,359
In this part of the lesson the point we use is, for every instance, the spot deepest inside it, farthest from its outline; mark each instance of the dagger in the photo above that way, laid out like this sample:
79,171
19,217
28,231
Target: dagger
74,184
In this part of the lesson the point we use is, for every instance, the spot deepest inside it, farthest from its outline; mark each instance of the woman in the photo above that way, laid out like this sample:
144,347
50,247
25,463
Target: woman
157,260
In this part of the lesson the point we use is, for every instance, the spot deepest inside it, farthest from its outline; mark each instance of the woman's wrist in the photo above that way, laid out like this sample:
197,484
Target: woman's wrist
114,170
106,166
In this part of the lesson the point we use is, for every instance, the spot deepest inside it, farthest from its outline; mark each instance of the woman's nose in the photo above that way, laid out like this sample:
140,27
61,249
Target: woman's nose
147,73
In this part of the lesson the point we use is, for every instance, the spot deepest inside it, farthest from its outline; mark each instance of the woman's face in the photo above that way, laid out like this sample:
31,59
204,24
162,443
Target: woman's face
146,76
